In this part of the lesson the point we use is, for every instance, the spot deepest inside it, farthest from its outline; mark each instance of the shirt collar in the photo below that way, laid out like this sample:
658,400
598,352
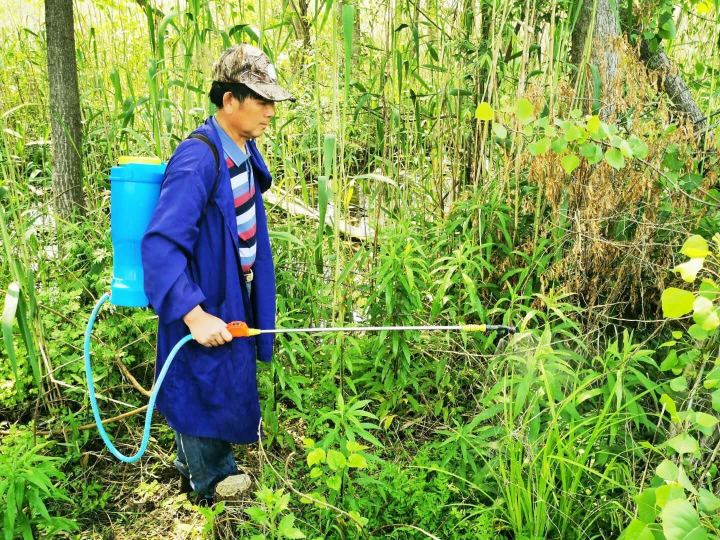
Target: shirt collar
230,147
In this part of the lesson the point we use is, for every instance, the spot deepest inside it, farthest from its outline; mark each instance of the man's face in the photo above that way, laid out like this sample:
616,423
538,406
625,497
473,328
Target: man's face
249,118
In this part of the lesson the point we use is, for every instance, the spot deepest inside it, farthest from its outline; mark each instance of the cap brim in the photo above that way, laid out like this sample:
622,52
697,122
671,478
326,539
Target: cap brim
272,92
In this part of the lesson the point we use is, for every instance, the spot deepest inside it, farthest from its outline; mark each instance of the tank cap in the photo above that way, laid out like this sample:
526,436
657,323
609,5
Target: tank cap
127,160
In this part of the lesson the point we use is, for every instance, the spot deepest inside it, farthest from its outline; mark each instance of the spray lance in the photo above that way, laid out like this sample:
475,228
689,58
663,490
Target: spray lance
135,189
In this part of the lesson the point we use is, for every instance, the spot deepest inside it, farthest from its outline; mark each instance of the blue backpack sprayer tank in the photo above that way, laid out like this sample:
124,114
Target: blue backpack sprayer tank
134,192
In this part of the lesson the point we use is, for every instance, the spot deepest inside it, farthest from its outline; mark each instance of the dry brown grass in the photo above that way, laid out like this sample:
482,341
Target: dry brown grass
599,267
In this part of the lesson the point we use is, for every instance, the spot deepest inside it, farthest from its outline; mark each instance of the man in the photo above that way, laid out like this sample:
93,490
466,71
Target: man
207,261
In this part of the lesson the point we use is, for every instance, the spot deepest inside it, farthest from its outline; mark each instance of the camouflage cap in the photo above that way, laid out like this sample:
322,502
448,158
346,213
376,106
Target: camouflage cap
250,66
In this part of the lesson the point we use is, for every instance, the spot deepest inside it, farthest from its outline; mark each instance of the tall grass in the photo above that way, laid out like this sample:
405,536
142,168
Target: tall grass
468,227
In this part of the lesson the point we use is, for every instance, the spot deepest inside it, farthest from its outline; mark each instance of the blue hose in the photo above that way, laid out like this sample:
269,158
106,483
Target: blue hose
153,395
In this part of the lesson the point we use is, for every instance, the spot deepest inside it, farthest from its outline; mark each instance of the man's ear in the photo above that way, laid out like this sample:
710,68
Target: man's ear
227,101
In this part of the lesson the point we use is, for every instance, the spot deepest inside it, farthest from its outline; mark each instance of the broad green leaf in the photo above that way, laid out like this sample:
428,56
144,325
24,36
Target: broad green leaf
670,361
592,152
716,400
696,332
614,158
317,455
484,112
357,461
287,529
572,134
638,147
685,482
678,384
705,314
689,270
336,460
690,182
524,110
625,149
712,379
570,163
709,503
334,482
559,146
308,443
695,247
669,492
539,147
667,470
593,124
316,472
708,289
362,520
705,419
354,446
666,27
672,161
677,302
683,444
638,530
705,7
499,130
647,509
681,521
670,407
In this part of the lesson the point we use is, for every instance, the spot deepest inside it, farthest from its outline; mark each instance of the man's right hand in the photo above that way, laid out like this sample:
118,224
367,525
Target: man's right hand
206,329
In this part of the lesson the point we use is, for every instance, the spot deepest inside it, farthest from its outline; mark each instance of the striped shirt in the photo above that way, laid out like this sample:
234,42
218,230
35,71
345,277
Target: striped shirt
243,188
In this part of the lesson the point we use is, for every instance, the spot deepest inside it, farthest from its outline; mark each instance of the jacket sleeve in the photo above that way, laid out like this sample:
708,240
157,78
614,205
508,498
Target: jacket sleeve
170,238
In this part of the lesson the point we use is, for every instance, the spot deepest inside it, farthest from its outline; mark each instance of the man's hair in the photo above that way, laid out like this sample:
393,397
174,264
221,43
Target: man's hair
239,91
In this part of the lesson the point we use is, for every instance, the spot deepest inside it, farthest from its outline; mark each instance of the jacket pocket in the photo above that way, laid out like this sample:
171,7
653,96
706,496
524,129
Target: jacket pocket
209,375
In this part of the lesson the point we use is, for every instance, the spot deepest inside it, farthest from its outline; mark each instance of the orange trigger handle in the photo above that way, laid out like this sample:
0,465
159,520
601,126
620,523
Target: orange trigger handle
240,329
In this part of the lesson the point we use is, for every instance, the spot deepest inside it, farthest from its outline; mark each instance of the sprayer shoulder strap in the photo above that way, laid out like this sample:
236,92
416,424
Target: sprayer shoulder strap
203,138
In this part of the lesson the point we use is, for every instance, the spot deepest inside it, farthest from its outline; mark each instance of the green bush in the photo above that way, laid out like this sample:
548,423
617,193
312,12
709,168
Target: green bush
27,487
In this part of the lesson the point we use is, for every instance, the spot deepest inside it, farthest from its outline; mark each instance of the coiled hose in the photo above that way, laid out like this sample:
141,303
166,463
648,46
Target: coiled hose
153,395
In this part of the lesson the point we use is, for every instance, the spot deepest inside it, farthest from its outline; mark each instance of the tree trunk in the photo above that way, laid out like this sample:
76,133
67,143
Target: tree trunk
601,28
670,81
64,109
672,84
300,22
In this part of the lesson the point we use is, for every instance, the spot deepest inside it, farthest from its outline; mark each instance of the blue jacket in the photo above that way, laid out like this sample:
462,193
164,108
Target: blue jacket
208,392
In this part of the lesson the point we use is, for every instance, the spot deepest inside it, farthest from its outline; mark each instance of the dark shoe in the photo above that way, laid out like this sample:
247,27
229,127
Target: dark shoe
185,486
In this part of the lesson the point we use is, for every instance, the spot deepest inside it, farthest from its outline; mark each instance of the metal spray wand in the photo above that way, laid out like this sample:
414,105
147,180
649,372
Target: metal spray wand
240,329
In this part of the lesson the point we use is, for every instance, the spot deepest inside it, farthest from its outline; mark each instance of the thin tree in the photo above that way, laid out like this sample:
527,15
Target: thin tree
594,42
65,122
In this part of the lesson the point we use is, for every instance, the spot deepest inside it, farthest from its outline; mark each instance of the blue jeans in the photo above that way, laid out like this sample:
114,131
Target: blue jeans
205,462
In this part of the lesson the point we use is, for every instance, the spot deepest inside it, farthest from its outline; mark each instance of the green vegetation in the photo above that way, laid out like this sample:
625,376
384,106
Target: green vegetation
445,163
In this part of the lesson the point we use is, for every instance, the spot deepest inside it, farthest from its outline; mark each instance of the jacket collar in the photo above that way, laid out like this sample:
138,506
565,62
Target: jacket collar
231,148
223,194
